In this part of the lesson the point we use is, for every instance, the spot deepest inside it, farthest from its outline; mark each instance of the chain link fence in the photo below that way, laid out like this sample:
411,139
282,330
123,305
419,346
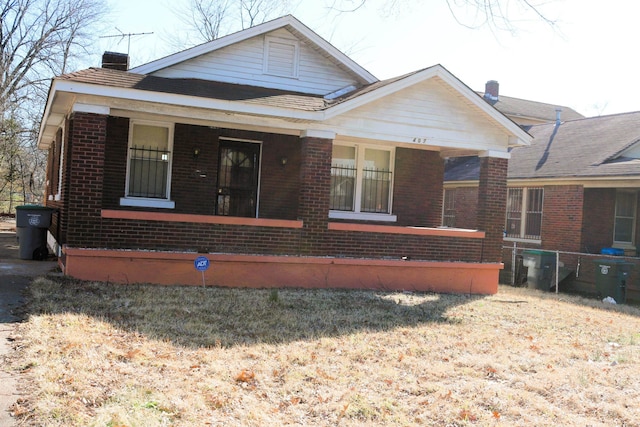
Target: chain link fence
607,275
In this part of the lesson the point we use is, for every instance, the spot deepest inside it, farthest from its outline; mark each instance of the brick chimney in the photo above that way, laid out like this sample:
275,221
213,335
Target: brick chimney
115,61
491,91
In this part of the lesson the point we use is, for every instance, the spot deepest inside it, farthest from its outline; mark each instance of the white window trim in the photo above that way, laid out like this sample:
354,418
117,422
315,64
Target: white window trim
58,195
149,202
356,214
626,245
296,56
366,216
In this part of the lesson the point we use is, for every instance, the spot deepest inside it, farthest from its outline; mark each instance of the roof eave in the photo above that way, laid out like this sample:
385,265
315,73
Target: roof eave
108,92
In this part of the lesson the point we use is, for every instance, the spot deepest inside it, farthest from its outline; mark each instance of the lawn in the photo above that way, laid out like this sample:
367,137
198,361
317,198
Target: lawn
94,354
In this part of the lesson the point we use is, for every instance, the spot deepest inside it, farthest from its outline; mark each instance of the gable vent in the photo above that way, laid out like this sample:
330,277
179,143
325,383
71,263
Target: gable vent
281,57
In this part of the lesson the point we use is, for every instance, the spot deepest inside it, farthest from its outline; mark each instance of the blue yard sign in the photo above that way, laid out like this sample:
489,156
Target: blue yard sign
202,264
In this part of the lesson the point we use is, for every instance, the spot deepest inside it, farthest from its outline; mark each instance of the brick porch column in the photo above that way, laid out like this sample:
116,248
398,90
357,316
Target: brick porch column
87,137
492,203
315,187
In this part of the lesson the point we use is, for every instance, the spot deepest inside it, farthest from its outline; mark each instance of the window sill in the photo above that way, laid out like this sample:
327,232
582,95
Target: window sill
359,216
624,246
147,203
520,240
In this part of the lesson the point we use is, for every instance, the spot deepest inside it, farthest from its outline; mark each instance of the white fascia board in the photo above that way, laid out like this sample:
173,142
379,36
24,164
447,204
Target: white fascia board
331,50
43,145
240,36
518,136
204,48
186,101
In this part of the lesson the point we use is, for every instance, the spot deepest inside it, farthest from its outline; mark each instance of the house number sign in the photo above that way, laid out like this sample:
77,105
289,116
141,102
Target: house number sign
420,140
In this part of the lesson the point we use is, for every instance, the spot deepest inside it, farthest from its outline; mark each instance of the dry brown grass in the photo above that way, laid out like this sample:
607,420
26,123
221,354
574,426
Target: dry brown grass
106,355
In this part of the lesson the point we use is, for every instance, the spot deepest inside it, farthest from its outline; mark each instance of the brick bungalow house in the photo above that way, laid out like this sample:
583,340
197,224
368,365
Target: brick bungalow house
574,189
279,159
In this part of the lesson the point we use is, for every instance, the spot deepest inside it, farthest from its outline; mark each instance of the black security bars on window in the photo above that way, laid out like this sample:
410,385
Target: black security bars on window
148,172
375,190
342,188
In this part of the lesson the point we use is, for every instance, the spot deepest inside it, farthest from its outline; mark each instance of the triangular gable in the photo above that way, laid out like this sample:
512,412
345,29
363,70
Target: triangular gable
458,89
281,54
631,151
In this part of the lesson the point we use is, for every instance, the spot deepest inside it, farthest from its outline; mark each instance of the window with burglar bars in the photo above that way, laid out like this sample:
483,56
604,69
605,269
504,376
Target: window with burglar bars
449,208
524,213
149,162
361,181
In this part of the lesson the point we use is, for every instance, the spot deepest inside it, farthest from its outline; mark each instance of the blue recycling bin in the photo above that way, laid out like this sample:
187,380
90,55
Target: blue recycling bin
32,222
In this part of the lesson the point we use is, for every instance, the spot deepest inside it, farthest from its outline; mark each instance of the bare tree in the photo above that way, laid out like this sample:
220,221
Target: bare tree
38,40
496,14
207,20
253,12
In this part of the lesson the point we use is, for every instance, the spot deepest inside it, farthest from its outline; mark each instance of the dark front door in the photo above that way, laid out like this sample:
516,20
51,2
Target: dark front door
238,179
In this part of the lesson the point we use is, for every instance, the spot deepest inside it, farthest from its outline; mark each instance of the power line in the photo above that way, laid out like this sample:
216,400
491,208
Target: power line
123,35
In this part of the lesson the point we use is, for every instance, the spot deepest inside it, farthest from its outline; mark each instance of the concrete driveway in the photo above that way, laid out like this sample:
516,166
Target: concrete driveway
15,277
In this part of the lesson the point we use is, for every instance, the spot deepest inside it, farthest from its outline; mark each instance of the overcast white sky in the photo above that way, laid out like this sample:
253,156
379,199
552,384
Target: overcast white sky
589,63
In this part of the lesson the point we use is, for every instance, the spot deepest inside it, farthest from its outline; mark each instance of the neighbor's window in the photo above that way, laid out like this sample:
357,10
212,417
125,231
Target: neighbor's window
625,217
524,213
361,180
449,208
149,164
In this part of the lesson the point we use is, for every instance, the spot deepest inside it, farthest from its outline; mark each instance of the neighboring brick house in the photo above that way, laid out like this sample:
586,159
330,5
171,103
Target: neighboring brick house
574,189
278,158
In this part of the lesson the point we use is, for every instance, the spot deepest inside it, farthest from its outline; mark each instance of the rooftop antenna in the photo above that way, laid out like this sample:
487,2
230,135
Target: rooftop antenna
123,35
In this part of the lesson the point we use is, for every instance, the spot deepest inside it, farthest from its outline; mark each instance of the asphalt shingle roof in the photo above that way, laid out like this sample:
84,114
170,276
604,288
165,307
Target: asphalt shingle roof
588,147
523,108
197,87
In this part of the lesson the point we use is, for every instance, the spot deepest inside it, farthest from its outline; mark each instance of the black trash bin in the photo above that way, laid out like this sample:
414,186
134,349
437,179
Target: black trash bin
611,278
32,222
541,266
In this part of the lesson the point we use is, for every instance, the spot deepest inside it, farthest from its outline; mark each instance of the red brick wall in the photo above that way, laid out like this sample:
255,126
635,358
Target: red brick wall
196,194
313,199
299,190
598,213
279,184
562,217
492,199
417,191
466,207
87,133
